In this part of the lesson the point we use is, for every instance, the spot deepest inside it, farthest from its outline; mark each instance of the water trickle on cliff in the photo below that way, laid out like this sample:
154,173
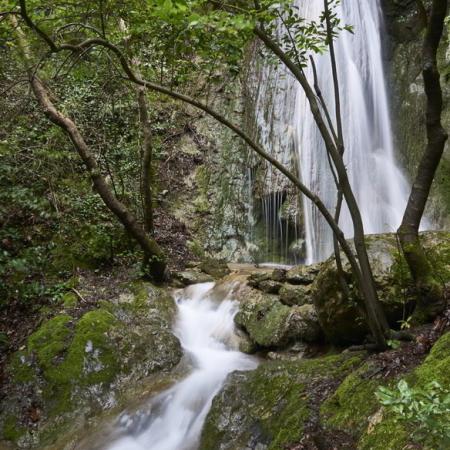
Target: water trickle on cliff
379,185
174,419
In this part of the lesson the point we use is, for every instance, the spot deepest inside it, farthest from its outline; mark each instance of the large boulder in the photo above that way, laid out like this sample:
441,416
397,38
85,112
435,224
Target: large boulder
271,324
342,319
269,407
299,295
73,368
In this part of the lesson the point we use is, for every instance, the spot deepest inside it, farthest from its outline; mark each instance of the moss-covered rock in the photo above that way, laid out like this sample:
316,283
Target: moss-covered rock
342,319
188,277
269,407
72,369
217,268
295,294
271,324
354,408
302,274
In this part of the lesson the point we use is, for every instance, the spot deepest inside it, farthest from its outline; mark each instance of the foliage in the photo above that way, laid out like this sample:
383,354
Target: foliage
426,409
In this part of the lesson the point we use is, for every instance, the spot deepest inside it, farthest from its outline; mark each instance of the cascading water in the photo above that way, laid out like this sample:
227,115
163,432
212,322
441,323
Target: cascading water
205,328
379,186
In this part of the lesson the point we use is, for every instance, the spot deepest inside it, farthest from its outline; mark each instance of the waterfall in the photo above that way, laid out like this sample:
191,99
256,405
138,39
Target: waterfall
379,185
174,419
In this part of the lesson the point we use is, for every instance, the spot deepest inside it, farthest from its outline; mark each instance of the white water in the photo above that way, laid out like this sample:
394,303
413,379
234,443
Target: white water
205,328
379,185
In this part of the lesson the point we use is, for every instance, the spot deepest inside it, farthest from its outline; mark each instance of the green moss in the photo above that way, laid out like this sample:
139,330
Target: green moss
386,434
68,356
12,431
353,407
91,340
202,180
265,320
436,366
69,300
196,248
271,404
352,403
50,341
20,368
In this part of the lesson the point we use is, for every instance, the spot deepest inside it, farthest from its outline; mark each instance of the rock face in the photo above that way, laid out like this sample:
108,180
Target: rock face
342,319
404,41
73,368
269,407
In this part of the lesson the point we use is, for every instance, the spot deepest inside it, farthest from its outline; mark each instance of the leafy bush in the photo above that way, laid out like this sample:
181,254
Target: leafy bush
427,410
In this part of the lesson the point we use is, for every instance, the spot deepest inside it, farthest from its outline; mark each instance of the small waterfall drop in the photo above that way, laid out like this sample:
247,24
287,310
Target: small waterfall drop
379,185
205,327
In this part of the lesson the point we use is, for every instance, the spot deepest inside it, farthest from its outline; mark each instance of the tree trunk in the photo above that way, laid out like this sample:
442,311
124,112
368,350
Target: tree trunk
154,259
430,290
376,318
146,163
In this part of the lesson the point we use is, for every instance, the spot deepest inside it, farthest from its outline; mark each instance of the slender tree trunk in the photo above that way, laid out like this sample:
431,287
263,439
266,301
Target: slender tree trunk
340,144
146,163
375,315
430,290
153,256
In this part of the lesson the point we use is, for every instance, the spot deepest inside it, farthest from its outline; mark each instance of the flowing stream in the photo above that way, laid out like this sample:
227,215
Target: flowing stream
287,123
205,327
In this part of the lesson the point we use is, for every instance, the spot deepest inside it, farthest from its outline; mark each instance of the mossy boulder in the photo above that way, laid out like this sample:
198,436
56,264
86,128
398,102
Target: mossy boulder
72,369
295,294
342,319
302,274
217,268
271,324
354,408
269,407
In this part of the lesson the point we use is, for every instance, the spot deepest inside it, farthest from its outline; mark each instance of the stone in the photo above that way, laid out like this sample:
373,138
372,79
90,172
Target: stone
342,319
270,324
75,368
295,294
279,275
269,286
217,268
188,277
268,408
256,278
302,274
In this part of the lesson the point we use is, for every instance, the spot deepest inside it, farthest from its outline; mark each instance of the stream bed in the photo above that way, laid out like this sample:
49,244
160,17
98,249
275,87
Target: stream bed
175,417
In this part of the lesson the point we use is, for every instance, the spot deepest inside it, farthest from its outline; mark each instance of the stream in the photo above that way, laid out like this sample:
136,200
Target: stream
205,327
